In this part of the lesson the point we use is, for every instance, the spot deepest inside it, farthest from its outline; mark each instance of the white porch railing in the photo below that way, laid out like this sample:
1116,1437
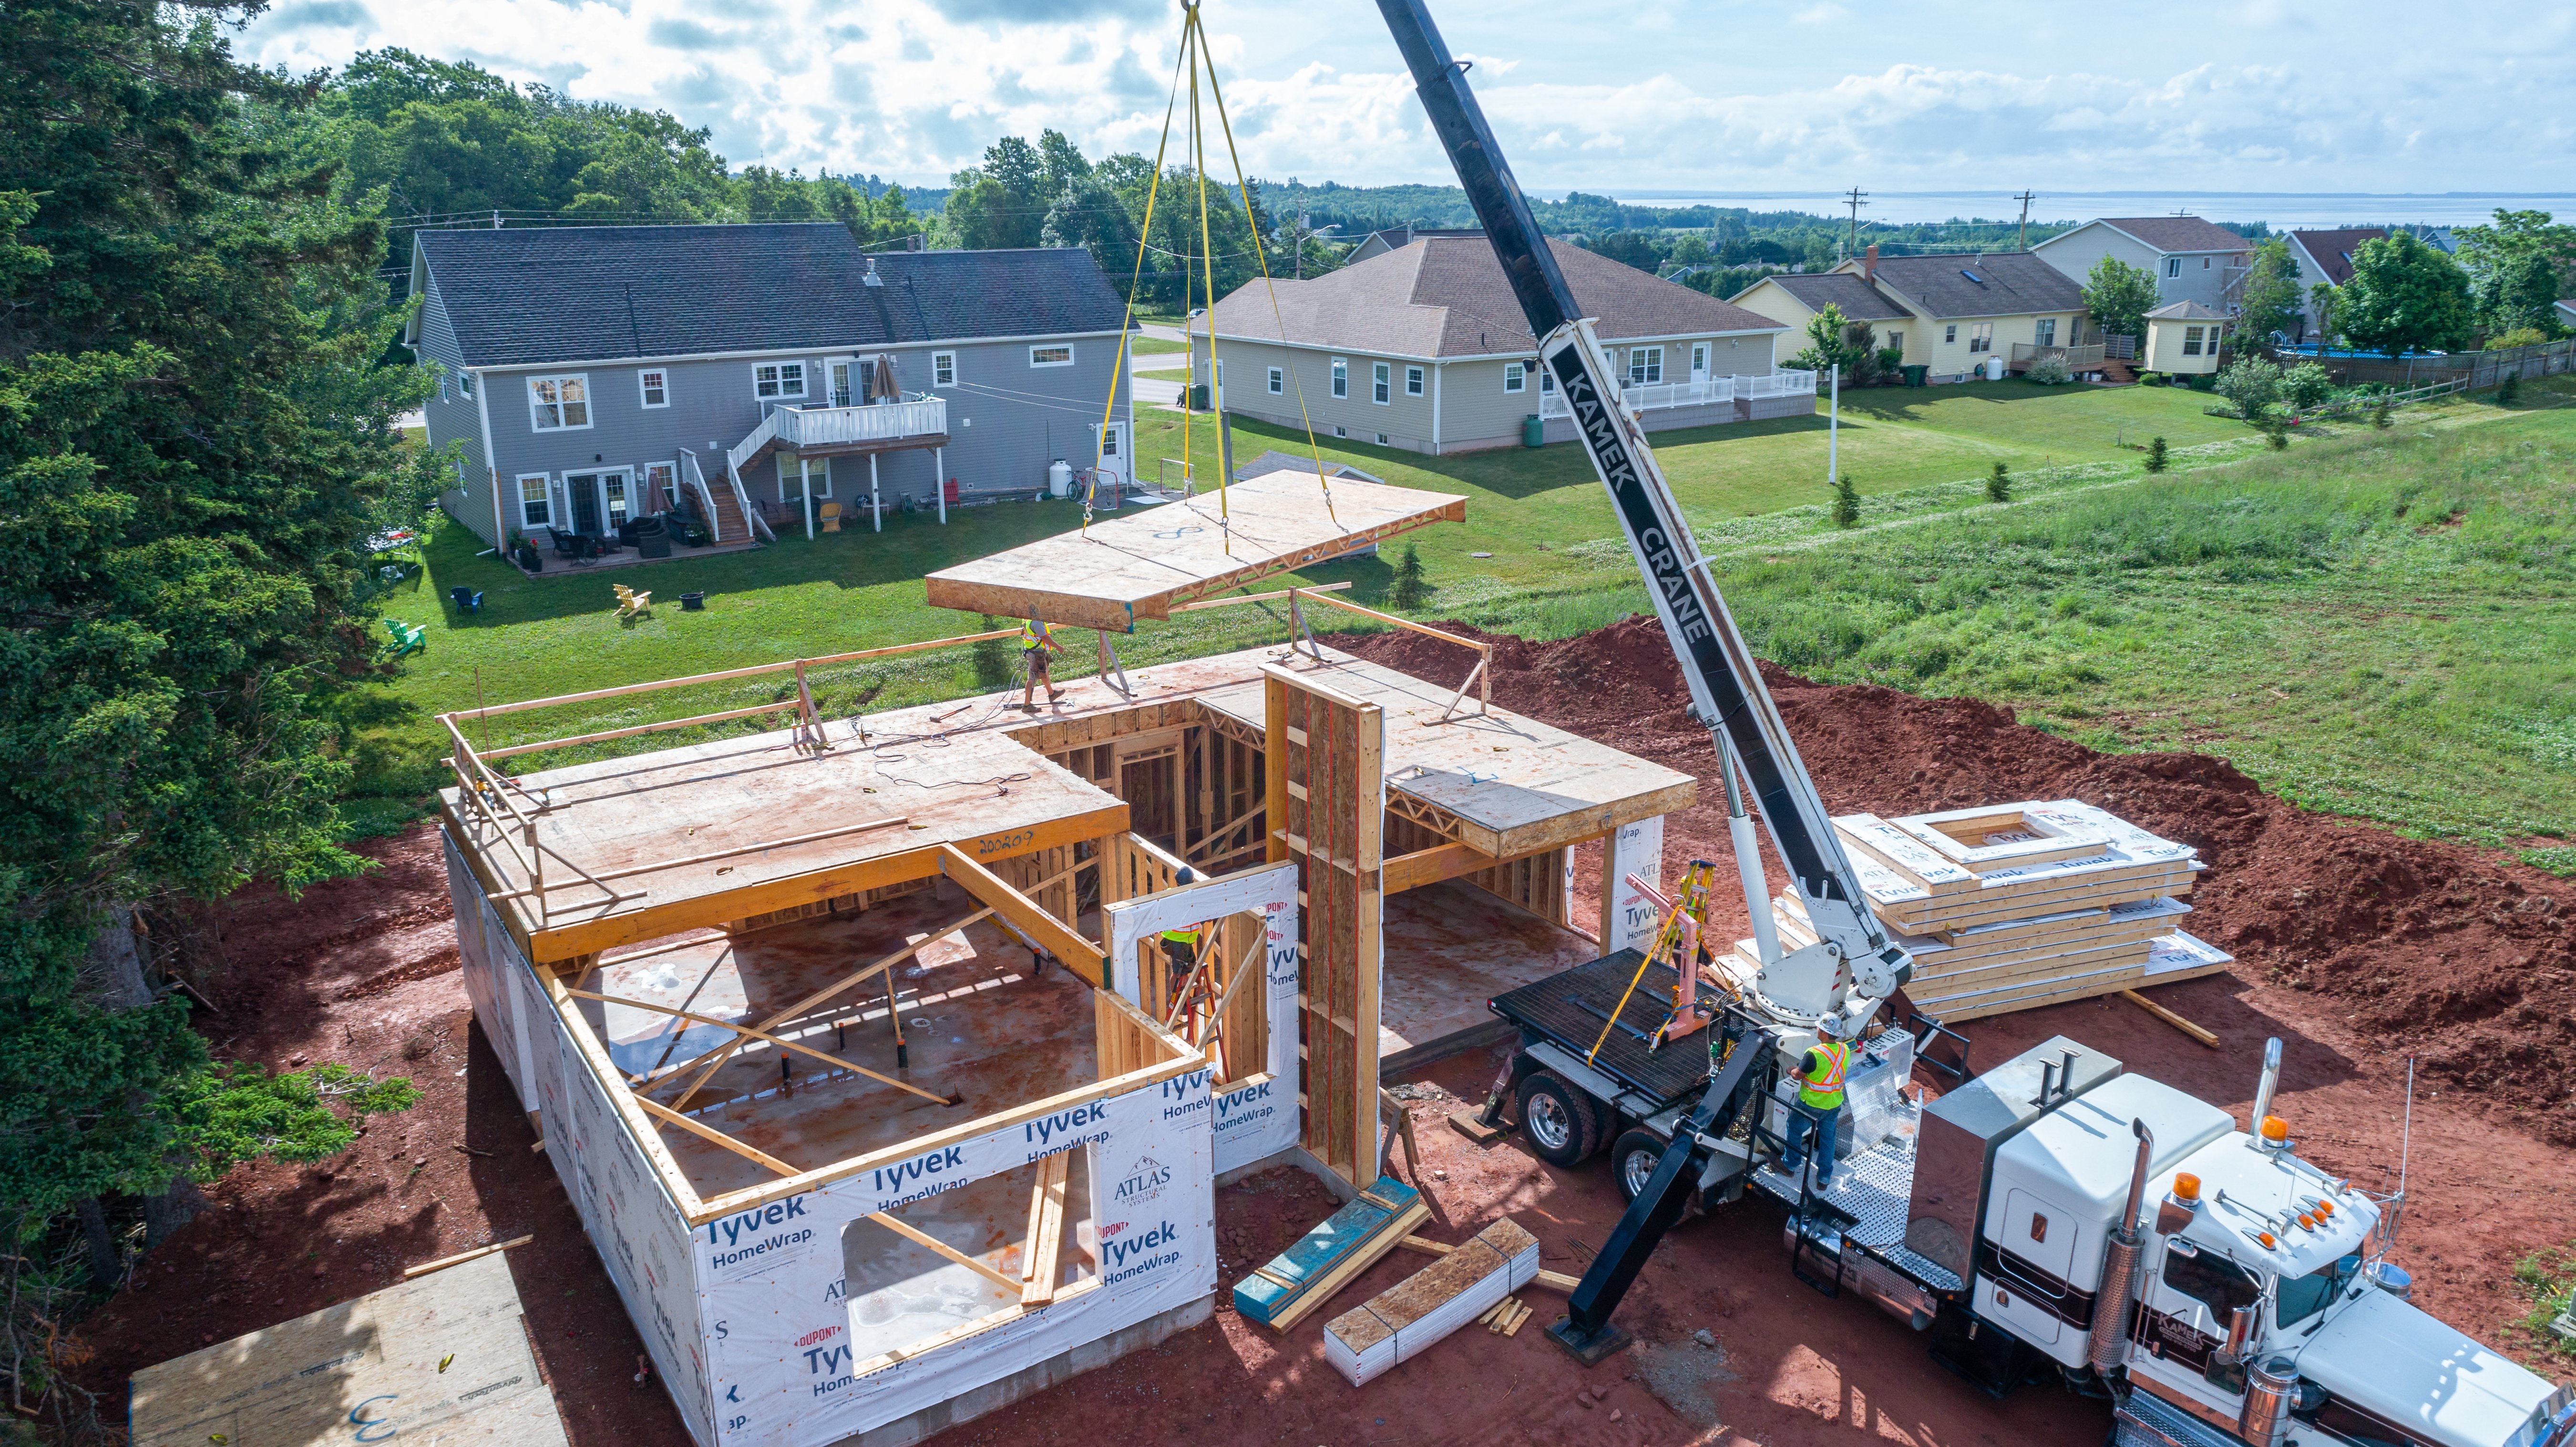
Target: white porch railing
800,428
697,477
1704,392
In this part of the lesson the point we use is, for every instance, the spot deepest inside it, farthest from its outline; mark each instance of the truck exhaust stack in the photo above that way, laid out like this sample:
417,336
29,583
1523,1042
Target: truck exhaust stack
2263,1091
2109,1347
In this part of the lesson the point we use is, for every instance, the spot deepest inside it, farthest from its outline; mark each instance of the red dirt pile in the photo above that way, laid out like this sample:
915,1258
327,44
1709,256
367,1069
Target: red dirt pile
2460,956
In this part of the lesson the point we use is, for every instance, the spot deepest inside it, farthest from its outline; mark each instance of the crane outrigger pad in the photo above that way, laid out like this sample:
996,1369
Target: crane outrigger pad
1143,564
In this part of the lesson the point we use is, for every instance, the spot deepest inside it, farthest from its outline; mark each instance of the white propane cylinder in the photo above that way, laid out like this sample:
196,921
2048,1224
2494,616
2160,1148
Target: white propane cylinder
1994,369
1060,478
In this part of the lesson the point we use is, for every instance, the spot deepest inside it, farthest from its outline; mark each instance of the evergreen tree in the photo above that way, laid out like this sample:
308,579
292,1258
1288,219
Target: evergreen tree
198,446
2158,458
1409,590
1999,483
2379,417
1846,502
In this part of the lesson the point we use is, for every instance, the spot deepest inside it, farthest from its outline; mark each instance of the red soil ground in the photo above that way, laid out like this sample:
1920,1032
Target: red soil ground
2356,947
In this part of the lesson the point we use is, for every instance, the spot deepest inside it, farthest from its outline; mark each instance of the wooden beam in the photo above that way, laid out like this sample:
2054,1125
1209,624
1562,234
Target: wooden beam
1552,1280
461,1257
1044,1252
651,728
753,671
1342,586
938,1247
757,1034
668,1116
1058,939
1319,595
1430,866
2205,1037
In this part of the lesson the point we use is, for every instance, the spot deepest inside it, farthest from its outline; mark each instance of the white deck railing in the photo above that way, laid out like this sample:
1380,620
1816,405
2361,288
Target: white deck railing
801,428
1707,391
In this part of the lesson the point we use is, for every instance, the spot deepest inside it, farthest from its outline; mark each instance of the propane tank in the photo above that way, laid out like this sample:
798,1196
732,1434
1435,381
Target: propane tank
2109,1344
2271,1389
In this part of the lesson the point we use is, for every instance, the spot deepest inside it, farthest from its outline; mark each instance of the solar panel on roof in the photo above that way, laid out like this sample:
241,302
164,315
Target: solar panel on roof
1972,276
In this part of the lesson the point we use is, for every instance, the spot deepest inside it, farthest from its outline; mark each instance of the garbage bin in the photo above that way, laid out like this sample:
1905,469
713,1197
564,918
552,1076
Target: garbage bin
1533,431
1916,372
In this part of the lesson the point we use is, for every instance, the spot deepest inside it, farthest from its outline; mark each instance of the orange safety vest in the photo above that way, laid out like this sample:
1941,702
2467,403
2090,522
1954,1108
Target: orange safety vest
1824,1089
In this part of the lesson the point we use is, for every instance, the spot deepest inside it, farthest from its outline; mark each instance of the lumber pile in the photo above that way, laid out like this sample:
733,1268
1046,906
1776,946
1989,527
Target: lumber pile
2017,905
1280,1291
1471,1284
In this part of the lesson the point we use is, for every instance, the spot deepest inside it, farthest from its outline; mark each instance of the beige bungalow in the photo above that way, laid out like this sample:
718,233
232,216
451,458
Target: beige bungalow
1423,348
1951,315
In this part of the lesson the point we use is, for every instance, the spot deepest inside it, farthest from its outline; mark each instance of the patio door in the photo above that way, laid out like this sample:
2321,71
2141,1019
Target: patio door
586,501
849,381
617,501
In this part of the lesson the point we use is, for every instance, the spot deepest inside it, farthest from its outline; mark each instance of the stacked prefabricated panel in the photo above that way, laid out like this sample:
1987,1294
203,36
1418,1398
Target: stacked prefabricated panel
2019,905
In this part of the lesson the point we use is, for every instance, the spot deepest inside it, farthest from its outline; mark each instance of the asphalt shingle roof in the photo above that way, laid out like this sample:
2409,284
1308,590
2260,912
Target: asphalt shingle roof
590,293
1447,297
2187,311
2178,233
1997,284
1860,301
2332,250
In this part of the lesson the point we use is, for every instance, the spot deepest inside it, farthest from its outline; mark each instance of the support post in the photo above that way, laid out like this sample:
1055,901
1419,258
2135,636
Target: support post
876,505
805,490
939,481
1833,430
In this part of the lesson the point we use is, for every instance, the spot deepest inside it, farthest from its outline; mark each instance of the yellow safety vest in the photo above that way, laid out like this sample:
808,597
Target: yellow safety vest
1824,1089
1033,635
1188,936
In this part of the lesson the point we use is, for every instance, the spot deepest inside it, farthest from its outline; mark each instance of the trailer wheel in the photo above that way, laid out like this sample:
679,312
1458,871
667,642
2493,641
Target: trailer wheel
1634,1160
1559,1120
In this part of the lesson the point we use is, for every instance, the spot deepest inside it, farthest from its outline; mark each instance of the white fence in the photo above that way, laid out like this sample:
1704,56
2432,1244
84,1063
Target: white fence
1705,392
800,428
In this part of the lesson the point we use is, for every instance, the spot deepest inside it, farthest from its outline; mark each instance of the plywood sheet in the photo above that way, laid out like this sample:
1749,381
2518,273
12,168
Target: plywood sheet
1139,564
442,1359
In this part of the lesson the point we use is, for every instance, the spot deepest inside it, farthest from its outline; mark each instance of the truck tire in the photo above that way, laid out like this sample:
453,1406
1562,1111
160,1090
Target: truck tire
1634,1158
1561,1122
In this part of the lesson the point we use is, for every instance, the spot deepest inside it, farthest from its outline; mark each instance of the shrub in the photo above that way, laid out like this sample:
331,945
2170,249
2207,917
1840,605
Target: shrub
2379,415
2151,379
2251,385
2509,389
2305,385
1846,502
2157,457
1409,590
2048,372
1999,483
2276,432
1891,361
2518,337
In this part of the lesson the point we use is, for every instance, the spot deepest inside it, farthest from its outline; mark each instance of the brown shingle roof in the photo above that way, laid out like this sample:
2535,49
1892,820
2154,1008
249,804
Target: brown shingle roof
1860,301
1447,297
1997,284
2179,233
2332,250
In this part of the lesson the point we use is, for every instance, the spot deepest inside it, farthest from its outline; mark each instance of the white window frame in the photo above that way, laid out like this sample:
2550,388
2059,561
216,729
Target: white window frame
2191,337
2173,266
803,478
1949,333
442,384
625,479
465,384
1546,381
1278,380
1048,351
652,380
663,489
943,369
544,499
1382,383
539,400
1515,377
1413,381
1645,366
2044,331
778,379
1897,340
1981,337
1342,377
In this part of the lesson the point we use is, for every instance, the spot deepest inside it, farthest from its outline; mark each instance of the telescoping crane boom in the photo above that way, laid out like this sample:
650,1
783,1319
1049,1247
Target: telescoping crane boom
1852,966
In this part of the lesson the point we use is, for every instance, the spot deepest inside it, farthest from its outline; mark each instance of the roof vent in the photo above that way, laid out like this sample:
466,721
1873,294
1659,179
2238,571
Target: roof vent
872,279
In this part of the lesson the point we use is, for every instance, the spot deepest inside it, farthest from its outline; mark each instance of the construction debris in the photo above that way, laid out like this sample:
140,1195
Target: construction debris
1404,1320
2017,905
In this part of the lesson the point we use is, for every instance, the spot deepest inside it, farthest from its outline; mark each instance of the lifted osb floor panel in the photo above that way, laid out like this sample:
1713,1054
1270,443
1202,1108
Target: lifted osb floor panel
1450,947
976,1021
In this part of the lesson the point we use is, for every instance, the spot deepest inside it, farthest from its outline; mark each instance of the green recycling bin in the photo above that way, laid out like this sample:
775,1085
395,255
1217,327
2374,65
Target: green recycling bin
1915,373
1533,431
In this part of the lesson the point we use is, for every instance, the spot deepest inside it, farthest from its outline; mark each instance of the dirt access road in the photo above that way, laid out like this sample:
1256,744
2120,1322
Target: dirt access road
2355,947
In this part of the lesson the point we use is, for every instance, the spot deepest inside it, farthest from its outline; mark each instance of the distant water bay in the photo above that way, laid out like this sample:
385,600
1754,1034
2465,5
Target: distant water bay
2285,210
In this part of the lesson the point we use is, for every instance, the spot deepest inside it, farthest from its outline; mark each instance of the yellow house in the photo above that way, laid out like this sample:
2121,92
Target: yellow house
2183,338
1955,316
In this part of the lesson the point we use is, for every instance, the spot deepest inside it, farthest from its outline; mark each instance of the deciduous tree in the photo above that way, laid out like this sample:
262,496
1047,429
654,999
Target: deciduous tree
2119,296
2404,296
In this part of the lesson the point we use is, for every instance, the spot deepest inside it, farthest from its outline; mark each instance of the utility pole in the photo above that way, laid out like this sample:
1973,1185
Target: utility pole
1300,243
2025,198
1851,243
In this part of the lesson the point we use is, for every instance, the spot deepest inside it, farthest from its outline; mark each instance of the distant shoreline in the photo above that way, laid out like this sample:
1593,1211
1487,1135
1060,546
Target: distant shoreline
2284,210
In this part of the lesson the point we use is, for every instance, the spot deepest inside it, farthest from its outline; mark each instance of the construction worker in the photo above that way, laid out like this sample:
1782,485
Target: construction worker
1037,651
1181,946
1820,1089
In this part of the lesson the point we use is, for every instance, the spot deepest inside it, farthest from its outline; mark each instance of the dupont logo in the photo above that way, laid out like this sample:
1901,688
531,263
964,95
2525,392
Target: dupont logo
811,1337
1143,1182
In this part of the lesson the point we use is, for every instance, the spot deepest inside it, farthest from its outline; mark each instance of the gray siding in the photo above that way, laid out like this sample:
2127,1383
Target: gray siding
2203,278
451,416
1008,421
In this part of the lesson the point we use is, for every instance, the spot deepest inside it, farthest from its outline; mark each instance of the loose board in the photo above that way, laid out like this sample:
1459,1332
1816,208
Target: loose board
1142,564
1406,1319
369,1368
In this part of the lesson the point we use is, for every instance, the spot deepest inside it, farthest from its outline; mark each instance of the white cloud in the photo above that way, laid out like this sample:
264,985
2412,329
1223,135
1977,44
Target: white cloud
912,89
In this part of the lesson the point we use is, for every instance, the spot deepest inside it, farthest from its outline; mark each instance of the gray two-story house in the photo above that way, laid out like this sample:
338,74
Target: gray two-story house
744,375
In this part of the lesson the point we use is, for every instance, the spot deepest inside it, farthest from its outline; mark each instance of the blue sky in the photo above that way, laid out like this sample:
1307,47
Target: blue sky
2252,95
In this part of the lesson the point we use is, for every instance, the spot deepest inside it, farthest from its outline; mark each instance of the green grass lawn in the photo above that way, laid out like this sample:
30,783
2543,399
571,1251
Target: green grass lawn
2375,623
1145,346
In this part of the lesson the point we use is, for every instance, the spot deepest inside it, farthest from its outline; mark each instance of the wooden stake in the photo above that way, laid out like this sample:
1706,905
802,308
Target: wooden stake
2169,1017
461,1257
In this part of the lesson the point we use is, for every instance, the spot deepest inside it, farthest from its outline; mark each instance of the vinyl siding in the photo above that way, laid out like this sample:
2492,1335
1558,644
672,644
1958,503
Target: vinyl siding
2076,252
1406,421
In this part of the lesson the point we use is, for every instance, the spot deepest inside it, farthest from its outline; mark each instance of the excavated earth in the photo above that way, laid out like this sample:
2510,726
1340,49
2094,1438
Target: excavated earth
2357,948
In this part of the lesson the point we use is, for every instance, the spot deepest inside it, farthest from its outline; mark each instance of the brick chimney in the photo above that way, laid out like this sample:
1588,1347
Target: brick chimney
1869,264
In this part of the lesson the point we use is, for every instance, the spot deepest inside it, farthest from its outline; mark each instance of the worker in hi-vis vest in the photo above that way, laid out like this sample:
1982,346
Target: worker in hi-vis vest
1037,650
1820,1089
1181,949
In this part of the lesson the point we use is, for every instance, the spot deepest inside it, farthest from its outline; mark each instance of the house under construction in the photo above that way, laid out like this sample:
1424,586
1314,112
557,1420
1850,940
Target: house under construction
853,1039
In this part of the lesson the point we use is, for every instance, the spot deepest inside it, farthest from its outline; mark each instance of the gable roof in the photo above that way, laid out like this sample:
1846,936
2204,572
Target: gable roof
1446,296
1396,238
2186,311
1997,284
551,294
1277,461
2332,251
2166,234
1815,290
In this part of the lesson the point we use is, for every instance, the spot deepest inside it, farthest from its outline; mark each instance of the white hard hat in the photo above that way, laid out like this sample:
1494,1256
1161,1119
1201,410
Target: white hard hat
1830,1027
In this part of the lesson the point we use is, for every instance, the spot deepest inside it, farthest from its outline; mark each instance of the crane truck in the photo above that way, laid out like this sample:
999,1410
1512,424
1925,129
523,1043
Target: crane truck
2009,1219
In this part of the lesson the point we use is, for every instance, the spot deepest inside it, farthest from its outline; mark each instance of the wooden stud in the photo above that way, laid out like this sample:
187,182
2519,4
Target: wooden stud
757,1034
1045,1249
2205,1037
461,1257
668,1116
1058,938
938,1247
